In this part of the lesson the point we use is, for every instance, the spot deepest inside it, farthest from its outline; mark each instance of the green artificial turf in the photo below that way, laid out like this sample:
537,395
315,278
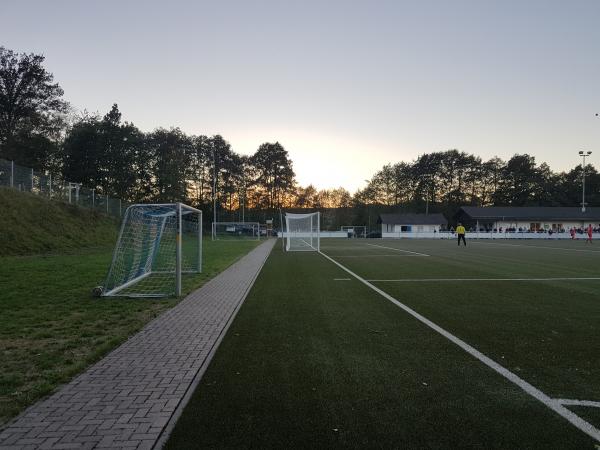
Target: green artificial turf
51,327
547,332
310,362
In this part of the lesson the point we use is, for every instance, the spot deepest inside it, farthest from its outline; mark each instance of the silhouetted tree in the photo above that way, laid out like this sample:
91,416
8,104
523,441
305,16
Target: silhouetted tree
31,109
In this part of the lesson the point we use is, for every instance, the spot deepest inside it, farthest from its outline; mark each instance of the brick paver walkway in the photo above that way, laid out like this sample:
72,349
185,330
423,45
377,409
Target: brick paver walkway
129,398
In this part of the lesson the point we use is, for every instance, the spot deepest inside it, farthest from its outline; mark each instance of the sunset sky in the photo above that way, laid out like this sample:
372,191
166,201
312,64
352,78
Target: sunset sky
345,86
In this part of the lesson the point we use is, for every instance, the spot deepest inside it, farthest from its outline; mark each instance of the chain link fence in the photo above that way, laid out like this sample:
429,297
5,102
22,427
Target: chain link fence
26,179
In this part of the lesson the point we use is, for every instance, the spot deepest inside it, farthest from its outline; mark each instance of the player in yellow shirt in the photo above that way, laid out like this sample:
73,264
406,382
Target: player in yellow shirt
460,231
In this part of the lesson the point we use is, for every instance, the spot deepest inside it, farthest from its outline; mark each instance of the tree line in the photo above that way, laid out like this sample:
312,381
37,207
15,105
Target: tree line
39,129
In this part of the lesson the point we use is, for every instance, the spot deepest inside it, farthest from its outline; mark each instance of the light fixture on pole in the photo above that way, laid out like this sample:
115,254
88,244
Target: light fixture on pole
583,155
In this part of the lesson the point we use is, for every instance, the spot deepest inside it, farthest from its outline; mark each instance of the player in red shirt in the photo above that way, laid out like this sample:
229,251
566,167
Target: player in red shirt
589,233
572,231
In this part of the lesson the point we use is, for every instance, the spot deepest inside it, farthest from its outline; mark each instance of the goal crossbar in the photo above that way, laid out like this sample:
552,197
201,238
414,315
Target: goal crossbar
302,232
149,257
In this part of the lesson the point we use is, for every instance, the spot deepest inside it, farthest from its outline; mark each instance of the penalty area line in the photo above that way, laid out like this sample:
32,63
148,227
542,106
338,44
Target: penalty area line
374,256
569,402
399,250
418,280
551,403
537,246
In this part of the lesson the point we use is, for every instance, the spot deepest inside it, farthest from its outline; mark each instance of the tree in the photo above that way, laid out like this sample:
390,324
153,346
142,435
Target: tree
519,177
30,107
169,152
109,156
274,173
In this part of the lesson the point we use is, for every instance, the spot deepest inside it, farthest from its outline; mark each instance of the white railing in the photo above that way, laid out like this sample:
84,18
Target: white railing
322,234
485,235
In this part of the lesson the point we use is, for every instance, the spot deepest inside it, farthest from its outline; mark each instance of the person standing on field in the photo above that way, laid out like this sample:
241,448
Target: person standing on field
590,230
460,231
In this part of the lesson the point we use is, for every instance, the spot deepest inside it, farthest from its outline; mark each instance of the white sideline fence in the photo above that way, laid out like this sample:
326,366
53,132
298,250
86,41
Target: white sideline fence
25,179
322,234
484,235
449,235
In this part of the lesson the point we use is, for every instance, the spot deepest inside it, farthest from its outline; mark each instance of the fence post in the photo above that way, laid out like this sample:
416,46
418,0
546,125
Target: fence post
106,203
50,186
12,174
93,198
120,213
32,180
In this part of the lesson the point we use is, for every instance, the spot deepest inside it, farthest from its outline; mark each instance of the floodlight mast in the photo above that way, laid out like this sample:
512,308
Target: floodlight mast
583,154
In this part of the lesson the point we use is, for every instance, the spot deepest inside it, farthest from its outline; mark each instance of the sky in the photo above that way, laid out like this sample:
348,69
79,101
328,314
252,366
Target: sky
344,86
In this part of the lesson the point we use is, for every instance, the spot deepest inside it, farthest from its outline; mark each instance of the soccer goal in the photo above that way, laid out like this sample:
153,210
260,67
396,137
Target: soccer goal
355,231
156,245
302,232
235,231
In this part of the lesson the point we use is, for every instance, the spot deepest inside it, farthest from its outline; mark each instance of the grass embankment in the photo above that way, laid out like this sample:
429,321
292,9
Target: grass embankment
31,224
310,362
51,328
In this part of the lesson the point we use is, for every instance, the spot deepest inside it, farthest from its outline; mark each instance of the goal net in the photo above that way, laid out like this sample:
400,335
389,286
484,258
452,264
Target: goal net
355,231
235,231
156,245
302,232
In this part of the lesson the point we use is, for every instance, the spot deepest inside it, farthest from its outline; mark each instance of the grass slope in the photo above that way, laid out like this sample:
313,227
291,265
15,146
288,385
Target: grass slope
314,363
31,224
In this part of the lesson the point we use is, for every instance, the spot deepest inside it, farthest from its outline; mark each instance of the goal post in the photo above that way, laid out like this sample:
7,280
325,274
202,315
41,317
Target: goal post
302,232
355,231
157,244
235,231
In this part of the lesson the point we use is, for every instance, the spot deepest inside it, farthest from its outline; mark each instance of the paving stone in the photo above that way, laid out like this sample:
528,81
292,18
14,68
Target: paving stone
128,398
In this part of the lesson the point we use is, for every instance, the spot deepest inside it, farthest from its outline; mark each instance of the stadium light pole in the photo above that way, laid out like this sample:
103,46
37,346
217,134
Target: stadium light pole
583,155
214,188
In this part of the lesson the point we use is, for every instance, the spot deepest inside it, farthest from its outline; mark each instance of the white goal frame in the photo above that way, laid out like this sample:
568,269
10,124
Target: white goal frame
254,226
308,237
116,285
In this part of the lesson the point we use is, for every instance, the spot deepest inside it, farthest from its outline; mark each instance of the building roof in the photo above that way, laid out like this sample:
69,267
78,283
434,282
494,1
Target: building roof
413,219
530,213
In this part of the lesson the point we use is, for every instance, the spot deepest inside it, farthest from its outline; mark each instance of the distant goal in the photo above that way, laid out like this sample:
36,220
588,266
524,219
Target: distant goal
156,245
235,231
355,231
303,232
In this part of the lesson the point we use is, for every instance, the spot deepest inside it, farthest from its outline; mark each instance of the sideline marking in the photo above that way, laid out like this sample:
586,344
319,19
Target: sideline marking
341,279
398,250
538,246
553,404
415,280
566,401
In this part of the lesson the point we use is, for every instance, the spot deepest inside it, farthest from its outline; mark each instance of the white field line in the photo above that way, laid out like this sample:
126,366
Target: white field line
553,404
341,279
370,256
418,280
398,250
537,246
569,402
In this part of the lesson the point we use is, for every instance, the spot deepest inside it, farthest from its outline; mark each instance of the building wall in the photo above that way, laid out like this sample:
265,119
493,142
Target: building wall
410,228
